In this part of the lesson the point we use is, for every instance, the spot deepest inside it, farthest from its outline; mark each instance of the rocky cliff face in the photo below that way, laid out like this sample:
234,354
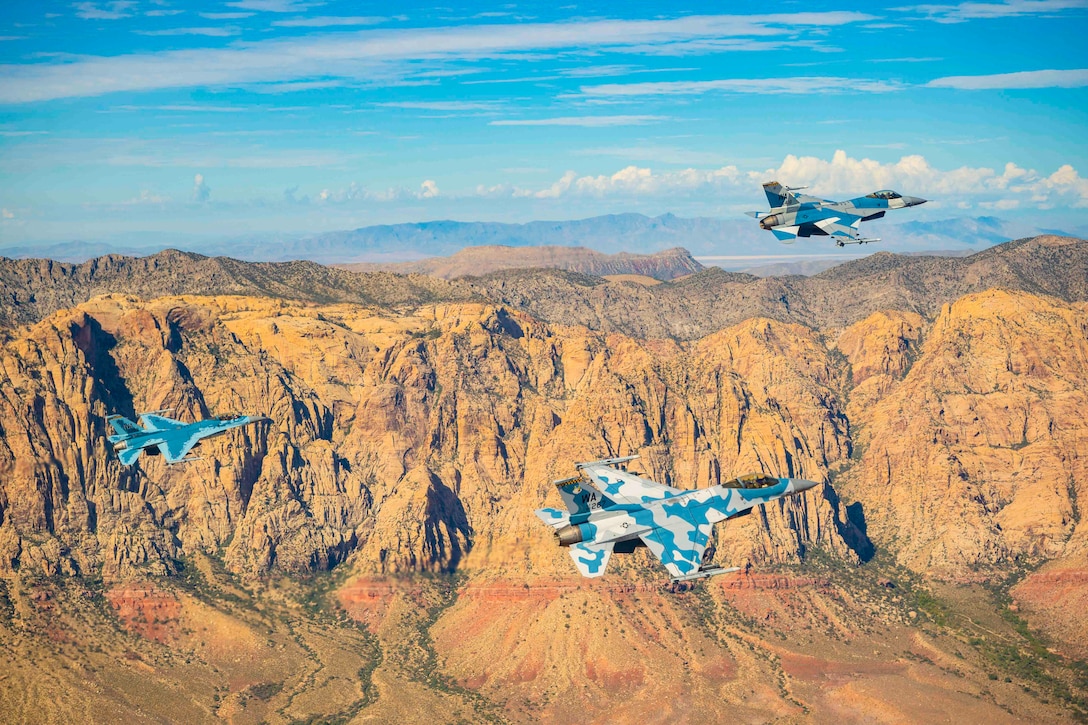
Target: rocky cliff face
975,458
418,438
410,442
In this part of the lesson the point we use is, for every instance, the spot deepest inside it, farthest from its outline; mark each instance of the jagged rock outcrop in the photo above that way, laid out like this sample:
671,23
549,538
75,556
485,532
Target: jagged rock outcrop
975,460
423,440
684,309
410,442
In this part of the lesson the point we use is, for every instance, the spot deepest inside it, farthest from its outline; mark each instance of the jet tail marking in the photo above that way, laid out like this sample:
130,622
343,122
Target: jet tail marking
123,426
581,499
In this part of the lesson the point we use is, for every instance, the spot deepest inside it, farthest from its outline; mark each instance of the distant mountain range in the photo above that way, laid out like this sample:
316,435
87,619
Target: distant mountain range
610,234
475,261
683,309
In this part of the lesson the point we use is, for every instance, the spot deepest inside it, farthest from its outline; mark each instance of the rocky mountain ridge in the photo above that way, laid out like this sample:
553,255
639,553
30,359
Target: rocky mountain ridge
686,309
371,553
479,260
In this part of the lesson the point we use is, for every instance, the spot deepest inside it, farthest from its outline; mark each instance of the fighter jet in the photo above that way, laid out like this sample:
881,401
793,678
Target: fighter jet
157,434
611,510
799,215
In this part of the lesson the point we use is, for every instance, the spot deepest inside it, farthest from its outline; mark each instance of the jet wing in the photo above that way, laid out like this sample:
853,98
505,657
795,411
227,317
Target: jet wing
840,225
625,488
591,559
680,545
150,421
176,445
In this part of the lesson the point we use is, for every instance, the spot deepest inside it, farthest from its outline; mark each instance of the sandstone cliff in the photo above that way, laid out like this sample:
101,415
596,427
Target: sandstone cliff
974,460
412,442
417,438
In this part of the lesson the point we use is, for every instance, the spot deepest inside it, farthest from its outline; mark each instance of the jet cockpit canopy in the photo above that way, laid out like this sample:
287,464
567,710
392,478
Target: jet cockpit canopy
752,480
885,194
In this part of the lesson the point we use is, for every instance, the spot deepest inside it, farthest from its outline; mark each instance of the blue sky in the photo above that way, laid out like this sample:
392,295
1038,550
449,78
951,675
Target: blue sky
135,118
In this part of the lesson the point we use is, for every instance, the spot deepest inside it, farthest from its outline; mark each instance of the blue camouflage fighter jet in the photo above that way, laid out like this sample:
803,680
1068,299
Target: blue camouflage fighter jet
157,434
611,510
799,215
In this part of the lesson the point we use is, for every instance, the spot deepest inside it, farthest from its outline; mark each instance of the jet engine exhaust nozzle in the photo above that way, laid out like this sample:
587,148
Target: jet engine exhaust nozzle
569,535
772,220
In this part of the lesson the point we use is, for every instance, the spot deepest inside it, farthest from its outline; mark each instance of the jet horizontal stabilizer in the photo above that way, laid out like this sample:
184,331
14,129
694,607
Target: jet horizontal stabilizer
605,462
705,573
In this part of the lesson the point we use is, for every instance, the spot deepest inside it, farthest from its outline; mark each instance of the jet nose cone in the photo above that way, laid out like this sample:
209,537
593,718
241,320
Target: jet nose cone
914,200
800,484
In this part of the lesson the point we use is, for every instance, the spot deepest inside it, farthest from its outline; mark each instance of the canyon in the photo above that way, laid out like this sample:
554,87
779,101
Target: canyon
371,554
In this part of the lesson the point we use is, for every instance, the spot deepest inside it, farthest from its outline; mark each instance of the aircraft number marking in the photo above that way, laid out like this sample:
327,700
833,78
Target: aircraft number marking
590,500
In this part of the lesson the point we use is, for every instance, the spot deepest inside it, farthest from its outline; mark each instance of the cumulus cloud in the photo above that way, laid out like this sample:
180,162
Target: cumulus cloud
838,177
201,191
354,192
841,176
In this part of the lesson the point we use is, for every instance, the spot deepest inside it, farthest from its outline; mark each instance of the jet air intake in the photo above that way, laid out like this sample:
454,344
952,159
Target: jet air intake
771,220
569,535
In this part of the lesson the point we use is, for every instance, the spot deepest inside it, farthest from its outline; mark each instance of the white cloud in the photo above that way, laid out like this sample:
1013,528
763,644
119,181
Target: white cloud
801,85
225,16
214,32
1065,182
839,177
635,180
1000,204
428,189
979,10
377,56
1077,78
325,21
274,6
148,197
584,121
104,11
201,192
442,105
7,214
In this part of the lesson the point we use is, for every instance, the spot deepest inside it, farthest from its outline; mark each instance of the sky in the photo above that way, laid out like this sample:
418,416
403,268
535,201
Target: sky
130,119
